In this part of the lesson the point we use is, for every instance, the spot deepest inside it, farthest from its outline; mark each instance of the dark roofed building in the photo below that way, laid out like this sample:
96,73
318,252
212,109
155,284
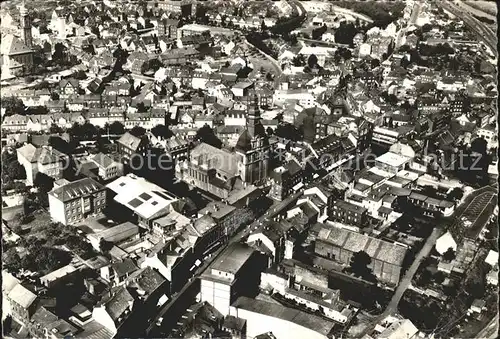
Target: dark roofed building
128,145
114,309
340,245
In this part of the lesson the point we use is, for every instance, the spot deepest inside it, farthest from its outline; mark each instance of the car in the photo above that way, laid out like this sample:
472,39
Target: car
159,321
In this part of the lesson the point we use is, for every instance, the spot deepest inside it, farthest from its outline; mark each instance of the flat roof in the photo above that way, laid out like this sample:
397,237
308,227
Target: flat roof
233,258
392,159
117,233
141,196
307,320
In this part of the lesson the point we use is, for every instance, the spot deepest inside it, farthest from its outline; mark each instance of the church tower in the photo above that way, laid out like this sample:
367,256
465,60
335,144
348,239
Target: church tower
25,26
253,148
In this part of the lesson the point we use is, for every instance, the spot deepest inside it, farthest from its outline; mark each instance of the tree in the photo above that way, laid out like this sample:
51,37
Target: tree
161,131
137,131
16,170
456,194
374,63
289,132
317,33
43,182
11,168
59,53
54,96
105,246
13,105
141,108
11,259
80,75
206,134
359,266
269,131
449,255
55,129
312,61
116,128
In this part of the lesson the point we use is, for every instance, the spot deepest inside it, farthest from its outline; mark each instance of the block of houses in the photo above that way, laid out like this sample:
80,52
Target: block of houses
22,304
114,309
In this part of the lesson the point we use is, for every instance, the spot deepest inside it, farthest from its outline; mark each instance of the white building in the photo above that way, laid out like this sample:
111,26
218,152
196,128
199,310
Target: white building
445,242
223,281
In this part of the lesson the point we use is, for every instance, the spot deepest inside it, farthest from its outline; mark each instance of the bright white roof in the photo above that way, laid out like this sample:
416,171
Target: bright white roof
492,258
141,196
392,159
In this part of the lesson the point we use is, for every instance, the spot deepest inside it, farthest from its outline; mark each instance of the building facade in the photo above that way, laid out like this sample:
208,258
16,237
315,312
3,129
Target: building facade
75,201
253,148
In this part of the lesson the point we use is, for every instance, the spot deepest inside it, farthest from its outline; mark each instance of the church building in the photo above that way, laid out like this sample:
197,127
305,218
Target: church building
253,148
17,54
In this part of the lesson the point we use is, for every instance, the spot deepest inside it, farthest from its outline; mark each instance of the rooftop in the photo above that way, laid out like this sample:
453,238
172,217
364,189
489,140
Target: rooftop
393,159
76,189
355,242
117,233
307,320
232,259
22,296
141,196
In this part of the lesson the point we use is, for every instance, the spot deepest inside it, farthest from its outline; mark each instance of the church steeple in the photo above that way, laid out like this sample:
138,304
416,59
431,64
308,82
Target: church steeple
25,26
254,125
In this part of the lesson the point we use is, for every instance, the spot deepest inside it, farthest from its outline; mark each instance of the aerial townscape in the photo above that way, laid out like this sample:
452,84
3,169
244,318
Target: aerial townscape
249,169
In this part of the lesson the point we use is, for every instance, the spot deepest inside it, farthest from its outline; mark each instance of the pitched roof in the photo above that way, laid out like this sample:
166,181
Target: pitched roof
130,141
355,242
103,160
42,155
244,141
149,280
117,305
76,189
12,45
22,296
124,267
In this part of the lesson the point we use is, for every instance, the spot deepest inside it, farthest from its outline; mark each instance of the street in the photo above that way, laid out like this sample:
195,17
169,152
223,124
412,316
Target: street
490,331
406,281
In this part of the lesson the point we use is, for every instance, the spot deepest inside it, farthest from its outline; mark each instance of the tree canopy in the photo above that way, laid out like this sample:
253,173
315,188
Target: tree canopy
13,105
137,131
206,134
359,266
161,131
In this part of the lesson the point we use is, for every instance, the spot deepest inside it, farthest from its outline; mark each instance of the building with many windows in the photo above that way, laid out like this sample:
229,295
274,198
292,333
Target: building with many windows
74,201
348,213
